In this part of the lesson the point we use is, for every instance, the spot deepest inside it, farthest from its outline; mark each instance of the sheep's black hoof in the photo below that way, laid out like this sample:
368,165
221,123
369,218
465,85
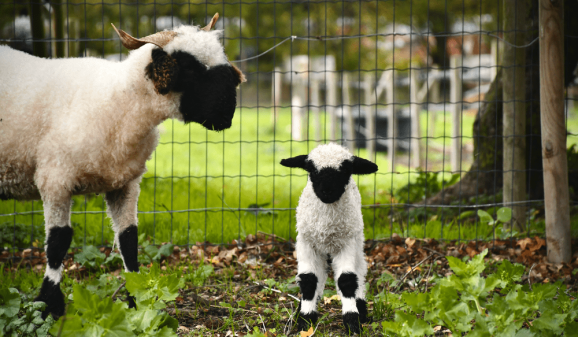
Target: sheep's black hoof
131,302
51,294
352,322
305,321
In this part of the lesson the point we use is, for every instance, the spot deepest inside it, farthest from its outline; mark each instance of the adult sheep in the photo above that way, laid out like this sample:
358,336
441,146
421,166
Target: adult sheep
87,125
330,231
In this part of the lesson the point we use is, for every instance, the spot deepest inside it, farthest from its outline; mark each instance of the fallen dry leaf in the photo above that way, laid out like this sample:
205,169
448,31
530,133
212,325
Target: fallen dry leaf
327,300
307,333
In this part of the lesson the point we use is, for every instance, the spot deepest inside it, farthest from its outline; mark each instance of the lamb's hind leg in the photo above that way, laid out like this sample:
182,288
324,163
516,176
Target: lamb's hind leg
350,268
58,238
122,208
311,276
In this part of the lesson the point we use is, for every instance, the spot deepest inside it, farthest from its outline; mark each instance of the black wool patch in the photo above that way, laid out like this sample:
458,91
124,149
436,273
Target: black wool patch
51,294
362,309
363,166
163,71
58,242
128,244
352,323
209,95
308,284
347,283
329,183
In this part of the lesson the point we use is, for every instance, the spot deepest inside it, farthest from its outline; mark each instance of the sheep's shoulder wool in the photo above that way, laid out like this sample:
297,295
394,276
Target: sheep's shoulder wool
329,227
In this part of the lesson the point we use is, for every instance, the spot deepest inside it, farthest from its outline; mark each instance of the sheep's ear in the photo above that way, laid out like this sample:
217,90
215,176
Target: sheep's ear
298,161
163,71
363,166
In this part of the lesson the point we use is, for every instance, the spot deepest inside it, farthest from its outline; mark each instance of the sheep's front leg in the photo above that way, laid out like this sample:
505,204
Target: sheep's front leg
58,239
122,208
311,276
350,268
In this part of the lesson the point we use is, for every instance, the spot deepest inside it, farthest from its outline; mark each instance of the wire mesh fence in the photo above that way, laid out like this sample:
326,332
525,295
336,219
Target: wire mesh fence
416,86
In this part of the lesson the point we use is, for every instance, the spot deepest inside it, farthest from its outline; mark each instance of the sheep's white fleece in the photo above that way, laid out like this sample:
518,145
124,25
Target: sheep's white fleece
329,227
82,125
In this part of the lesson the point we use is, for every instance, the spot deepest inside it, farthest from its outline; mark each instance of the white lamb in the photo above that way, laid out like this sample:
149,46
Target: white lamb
330,231
87,125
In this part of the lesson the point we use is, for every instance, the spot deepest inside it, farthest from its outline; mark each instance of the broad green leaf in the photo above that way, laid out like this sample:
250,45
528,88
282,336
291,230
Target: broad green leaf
505,214
571,329
9,302
485,218
90,257
549,322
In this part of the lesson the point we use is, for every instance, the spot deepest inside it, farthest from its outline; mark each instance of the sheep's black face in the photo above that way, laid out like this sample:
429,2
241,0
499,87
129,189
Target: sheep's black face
209,95
329,183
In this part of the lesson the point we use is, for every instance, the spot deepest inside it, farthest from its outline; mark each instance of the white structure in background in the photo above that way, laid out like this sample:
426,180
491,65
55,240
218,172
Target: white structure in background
307,77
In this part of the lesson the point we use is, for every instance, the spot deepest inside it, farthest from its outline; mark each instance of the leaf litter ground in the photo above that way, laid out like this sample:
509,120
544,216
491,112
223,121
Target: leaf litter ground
251,284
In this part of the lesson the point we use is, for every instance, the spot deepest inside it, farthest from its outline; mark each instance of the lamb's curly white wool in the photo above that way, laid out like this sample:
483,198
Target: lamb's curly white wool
84,125
330,231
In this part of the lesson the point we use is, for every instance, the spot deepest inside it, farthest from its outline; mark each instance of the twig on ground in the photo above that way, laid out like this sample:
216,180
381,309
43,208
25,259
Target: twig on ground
289,323
530,276
411,270
117,290
220,307
428,273
278,291
248,330
262,321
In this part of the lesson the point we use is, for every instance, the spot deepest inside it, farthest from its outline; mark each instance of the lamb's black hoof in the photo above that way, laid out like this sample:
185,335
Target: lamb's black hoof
131,302
51,294
305,321
352,322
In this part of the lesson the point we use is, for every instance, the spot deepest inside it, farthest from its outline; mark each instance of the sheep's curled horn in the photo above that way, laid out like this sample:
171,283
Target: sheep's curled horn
159,39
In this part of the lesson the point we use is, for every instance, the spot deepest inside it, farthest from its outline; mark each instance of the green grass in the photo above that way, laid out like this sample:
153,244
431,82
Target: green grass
193,169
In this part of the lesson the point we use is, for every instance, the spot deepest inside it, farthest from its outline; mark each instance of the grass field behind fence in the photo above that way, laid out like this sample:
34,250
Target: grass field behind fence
193,169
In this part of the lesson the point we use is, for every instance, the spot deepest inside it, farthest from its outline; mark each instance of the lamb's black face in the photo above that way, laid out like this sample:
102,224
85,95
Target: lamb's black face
329,183
209,96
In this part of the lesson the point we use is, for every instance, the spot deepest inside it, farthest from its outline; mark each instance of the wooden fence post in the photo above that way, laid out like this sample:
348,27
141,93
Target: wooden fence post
369,115
514,107
554,159
331,102
314,92
456,101
415,105
276,93
347,115
391,120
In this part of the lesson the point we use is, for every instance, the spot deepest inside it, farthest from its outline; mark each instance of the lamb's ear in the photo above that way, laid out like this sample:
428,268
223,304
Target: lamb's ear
163,71
298,161
363,166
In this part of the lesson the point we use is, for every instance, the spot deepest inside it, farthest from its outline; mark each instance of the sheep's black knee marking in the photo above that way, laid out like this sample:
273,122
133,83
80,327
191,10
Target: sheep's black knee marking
51,294
347,283
128,244
308,284
58,242
362,309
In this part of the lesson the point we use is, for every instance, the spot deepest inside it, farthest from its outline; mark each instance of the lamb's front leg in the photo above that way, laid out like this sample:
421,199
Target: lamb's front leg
122,208
58,239
350,268
311,276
